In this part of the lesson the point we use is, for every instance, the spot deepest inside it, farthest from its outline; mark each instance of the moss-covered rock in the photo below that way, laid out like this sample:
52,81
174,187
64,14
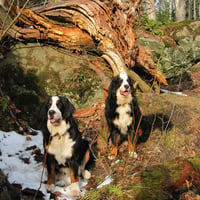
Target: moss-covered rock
177,52
31,72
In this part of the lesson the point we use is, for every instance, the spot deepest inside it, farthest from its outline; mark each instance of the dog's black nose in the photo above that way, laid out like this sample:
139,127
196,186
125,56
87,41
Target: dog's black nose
51,112
126,86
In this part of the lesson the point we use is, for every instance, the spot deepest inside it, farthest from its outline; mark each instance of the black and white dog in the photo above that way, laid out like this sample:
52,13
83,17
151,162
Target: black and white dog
63,143
124,117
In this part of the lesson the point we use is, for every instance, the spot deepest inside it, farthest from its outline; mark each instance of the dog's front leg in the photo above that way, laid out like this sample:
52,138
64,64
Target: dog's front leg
51,177
115,139
131,145
75,189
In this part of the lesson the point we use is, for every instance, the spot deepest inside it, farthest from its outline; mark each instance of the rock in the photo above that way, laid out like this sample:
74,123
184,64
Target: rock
7,191
40,71
175,60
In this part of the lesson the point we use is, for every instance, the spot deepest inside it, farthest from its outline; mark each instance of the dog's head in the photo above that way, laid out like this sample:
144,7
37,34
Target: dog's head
55,109
121,88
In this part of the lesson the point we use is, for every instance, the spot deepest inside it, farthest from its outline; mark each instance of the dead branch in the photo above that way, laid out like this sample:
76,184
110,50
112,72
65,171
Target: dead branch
110,26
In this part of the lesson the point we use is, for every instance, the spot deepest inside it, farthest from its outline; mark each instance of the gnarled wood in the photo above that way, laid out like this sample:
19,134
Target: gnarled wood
109,25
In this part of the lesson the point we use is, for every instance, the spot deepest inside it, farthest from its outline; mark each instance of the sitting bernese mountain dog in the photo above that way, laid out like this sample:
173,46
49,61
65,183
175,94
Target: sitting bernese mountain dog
63,143
124,117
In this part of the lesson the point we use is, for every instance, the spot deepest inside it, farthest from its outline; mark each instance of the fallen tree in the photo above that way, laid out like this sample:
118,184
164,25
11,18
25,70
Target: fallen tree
106,26
103,27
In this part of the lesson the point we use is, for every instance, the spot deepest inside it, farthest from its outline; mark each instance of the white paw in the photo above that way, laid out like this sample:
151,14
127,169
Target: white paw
50,188
111,157
75,189
133,154
86,174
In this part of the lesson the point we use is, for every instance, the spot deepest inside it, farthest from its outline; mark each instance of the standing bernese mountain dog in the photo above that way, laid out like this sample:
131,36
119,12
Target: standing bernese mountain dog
124,117
63,143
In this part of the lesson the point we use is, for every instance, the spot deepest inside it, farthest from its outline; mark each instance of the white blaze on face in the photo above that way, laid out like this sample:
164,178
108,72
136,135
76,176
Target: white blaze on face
125,87
123,93
57,116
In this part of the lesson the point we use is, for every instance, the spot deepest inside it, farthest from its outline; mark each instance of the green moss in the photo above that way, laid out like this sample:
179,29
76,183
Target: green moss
153,181
195,162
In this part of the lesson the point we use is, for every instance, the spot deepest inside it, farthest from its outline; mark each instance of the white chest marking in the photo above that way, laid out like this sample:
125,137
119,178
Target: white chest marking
61,147
123,99
61,144
58,129
124,119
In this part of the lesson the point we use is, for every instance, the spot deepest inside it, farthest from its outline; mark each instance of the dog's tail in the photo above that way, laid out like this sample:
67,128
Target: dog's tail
152,122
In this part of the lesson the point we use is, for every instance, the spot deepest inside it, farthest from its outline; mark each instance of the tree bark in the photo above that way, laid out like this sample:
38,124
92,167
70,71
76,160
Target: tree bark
170,9
108,27
180,11
150,9
194,9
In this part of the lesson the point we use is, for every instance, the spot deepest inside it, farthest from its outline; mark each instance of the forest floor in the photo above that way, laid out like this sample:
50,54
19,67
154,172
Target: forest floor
153,174
146,176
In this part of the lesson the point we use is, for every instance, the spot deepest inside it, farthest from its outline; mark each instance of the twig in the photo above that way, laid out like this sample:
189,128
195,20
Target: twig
44,162
6,18
14,20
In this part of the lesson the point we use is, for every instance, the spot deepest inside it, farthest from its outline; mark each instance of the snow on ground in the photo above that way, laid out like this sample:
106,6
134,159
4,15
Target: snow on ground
15,150
18,164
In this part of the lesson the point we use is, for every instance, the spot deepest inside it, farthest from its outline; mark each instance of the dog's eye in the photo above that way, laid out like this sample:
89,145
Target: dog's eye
57,102
50,102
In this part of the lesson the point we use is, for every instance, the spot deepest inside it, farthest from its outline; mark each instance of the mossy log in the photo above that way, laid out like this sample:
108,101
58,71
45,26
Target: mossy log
170,180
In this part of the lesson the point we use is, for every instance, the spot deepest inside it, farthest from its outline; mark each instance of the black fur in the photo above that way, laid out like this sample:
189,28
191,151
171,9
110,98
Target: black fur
80,147
145,124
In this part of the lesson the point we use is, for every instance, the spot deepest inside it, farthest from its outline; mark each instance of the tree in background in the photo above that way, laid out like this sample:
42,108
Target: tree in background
171,10
180,10
150,9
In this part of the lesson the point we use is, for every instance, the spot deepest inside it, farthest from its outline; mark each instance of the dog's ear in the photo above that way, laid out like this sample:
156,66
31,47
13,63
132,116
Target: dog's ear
112,89
43,110
68,107
132,84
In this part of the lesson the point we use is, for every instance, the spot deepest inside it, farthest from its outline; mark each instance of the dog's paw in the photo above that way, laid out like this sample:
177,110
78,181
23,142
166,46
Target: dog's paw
86,174
50,188
75,190
133,154
111,157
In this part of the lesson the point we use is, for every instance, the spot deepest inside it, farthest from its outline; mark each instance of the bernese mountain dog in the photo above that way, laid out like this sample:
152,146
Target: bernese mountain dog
124,117
63,143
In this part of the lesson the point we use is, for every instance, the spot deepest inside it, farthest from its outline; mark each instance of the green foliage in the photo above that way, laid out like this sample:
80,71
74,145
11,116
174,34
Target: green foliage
195,162
153,26
170,139
92,195
113,189
4,104
163,15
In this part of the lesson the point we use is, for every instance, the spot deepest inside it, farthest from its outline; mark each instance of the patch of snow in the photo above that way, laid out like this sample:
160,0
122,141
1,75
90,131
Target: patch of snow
13,148
107,181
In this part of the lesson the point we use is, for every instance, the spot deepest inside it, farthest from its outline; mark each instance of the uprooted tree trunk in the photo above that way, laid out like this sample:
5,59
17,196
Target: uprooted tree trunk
105,27
109,25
